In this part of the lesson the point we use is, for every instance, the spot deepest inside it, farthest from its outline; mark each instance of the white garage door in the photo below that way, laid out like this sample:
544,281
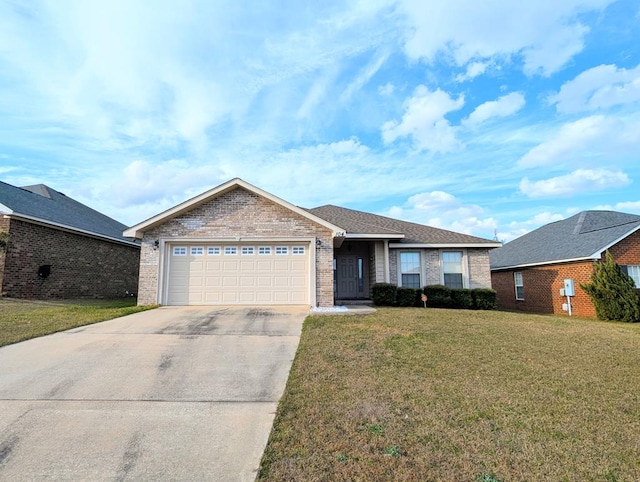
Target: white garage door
238,274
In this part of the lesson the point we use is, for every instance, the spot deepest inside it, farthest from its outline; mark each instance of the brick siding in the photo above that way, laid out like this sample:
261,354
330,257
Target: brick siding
542,284
81,266
237,214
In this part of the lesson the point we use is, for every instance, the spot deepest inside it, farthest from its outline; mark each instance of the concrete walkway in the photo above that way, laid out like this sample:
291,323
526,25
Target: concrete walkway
169,394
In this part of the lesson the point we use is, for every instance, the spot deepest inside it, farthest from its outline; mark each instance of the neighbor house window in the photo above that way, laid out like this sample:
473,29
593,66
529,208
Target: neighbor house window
410,270
247,250
517,279
213,250
634,272
179,251
230,250
264,250
452,269
197,251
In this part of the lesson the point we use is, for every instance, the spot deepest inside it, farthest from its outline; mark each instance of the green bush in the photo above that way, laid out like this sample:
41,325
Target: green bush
613,292
462,298
438,296
484,299
408,296
384,294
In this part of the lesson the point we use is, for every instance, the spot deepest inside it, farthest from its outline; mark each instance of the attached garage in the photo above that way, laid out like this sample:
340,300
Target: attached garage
238,274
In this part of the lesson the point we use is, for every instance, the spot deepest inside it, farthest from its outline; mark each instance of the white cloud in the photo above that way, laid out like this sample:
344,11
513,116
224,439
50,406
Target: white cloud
503,107
515,229
632,207
424,121
443,210
593,137
474,69
386,89
598,88
546,33
581,181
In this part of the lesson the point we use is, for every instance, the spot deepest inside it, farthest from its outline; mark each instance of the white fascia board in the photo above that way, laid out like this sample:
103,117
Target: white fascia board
71,229
546,263
6,210
374,236
137,230
598,254
445,245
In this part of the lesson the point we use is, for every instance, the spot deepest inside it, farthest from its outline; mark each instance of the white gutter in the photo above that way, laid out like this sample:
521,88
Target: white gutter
546,263
71,229
445,245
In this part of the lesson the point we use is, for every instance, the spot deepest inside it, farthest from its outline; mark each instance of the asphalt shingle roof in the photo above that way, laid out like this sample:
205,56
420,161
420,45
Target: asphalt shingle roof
42,202
578,237
359,222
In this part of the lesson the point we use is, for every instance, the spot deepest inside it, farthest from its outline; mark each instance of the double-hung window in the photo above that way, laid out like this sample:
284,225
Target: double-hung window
517,281
410,269
634,272
452,269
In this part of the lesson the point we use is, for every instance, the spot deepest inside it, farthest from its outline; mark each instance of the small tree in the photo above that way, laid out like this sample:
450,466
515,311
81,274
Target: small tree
613,292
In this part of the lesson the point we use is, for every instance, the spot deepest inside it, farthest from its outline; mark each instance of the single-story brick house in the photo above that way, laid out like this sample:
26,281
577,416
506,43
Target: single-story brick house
529,272
237,244
56,247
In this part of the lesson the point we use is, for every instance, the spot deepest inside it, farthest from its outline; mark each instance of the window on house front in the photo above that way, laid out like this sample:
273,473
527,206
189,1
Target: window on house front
634,272
452,269
197,251
282,250
297,250
264,250
247,250
230,250
179,251
517,279
213,250
410,270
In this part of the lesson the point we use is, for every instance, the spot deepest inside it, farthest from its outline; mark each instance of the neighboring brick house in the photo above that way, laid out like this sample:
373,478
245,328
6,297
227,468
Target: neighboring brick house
57,247
529,272
237,244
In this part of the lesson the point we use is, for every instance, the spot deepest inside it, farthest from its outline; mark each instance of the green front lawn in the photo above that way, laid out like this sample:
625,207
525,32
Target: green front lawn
24,319
428,394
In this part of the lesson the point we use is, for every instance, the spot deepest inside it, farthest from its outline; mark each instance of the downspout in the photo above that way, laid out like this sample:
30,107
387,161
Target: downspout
387,275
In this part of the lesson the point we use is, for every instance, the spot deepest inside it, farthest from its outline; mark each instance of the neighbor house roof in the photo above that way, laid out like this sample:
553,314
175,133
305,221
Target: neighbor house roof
359,224
584,236
43,205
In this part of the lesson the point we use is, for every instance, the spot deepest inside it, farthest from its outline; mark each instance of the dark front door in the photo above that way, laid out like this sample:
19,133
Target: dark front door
349,276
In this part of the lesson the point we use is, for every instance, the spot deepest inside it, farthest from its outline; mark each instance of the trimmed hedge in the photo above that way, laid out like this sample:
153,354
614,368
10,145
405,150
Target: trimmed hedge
438,296
384,294
484,299
408,297
462,298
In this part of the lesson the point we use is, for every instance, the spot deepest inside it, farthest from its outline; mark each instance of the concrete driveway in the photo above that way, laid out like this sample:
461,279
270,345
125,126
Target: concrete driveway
185,393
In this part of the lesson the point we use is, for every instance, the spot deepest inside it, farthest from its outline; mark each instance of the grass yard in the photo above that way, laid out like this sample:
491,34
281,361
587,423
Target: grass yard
415,394
24,319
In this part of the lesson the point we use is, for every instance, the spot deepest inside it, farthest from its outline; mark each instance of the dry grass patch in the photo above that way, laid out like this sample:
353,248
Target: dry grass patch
24,319
414,394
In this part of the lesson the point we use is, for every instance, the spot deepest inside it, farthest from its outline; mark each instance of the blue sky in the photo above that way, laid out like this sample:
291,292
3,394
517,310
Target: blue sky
481,117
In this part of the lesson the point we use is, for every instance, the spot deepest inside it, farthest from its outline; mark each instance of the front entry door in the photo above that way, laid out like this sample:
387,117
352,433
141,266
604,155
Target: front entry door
349,277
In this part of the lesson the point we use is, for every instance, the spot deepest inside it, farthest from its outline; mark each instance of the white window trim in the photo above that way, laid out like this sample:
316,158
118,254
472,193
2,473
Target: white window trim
465,266
515,284
421,260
